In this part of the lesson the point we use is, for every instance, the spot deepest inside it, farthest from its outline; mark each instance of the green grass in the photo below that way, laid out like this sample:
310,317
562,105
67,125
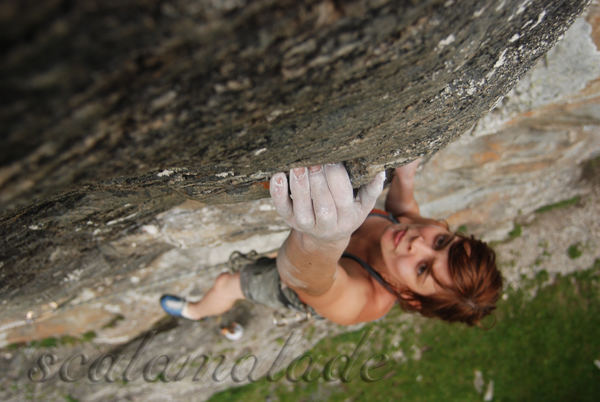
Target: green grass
52,341
574,251
44,343
539,350
516,232
558,205
68,340
591,169
114,321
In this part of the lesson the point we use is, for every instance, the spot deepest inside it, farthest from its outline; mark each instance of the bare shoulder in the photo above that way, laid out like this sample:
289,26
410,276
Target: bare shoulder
351,299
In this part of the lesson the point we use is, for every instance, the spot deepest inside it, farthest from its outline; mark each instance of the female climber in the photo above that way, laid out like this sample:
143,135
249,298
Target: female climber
349,263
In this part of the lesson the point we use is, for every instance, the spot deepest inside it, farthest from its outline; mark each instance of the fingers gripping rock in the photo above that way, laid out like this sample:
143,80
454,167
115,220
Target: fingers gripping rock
367,195
339,185
280,196
322,199
302,206
321,202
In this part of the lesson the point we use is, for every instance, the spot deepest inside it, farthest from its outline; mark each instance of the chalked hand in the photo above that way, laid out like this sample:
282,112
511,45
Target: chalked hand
320,200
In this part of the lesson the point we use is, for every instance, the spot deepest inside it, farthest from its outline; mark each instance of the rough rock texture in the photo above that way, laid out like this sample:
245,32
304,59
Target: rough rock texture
85,270
117,111
530,149
206,98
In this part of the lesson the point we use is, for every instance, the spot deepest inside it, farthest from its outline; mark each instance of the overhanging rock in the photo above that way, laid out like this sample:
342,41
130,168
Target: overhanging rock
115,112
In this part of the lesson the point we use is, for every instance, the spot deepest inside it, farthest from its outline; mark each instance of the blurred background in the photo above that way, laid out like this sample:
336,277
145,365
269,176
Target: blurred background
525,177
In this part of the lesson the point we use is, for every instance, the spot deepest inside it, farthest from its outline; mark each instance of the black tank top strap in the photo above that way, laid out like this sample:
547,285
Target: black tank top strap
364,264
371,272
383,214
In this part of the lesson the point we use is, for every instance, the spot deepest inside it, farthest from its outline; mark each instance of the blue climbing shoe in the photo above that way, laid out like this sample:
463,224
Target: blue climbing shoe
173,305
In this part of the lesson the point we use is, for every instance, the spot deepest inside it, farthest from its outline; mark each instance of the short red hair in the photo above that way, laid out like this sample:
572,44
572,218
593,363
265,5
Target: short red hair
477,285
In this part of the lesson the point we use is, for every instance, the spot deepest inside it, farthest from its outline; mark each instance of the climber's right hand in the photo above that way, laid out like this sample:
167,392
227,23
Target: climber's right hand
322,204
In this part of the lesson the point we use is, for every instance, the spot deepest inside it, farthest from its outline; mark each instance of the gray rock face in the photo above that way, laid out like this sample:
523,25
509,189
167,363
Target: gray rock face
165,102
115,113
206,101
529,150
94,250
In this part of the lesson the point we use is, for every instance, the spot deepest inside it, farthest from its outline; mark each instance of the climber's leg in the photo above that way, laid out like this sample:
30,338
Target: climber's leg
220,298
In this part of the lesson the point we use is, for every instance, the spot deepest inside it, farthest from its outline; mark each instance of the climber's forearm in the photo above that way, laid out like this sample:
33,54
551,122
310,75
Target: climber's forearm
309,265
323,213
400,199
